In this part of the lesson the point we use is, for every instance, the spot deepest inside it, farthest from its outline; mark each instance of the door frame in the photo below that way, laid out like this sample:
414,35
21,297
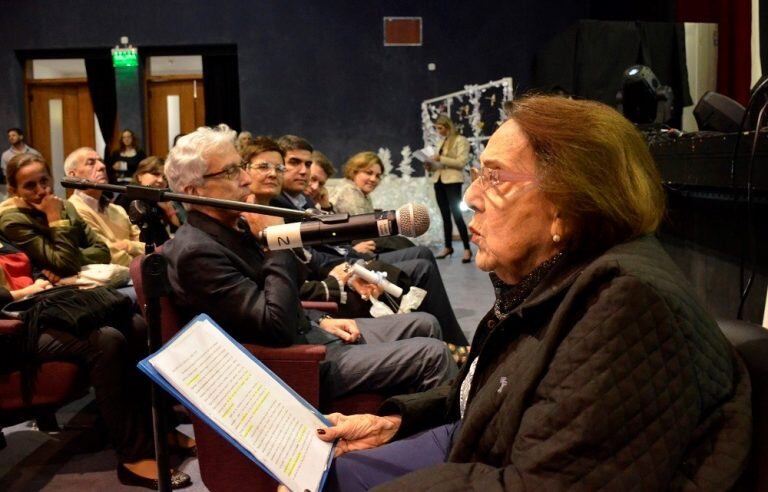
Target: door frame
148,79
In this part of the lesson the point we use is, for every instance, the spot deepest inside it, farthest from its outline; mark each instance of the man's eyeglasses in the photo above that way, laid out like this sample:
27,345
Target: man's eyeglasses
265,167
487,177
295,161
230,172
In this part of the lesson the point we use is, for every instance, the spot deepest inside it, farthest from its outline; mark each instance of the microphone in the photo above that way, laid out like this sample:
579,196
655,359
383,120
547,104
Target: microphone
377,278
409,220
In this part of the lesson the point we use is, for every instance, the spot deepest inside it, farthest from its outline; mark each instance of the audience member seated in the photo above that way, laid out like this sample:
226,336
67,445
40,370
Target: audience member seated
596,367
244,139
264,161
110,359
216,265
298,163
108,221
362,175
122,163
47,228
150,173
298,159
320,172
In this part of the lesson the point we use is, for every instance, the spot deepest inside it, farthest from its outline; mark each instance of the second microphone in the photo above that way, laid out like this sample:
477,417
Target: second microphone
409,220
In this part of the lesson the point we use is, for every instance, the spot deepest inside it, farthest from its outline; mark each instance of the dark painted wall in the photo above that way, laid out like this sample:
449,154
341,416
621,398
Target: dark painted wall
318,69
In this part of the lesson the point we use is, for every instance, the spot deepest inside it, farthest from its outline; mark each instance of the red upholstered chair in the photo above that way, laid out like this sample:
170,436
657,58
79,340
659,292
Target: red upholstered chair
54,384
222,467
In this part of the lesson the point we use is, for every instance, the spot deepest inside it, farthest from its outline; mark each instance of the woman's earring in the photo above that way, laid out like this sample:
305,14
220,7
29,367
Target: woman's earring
556,238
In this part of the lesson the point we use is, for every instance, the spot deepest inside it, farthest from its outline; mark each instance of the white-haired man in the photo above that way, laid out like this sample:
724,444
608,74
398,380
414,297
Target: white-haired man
109,221
214,261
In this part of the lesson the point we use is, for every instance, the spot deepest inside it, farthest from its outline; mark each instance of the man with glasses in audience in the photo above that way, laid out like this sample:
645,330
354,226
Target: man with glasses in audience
214,261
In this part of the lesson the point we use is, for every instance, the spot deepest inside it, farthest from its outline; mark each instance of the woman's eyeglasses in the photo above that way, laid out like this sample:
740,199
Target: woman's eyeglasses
265,167
492,177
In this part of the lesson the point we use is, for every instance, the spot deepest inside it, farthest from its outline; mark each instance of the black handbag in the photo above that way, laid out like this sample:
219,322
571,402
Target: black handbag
69,309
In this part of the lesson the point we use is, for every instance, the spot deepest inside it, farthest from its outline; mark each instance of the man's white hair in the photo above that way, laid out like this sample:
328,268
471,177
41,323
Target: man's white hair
187,161
74,158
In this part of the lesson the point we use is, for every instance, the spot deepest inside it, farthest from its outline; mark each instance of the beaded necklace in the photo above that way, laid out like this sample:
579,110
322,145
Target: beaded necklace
508,297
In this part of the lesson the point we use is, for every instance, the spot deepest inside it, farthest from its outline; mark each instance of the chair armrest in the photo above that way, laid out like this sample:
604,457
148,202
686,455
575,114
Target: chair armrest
292,353
10,325
298,366
328,307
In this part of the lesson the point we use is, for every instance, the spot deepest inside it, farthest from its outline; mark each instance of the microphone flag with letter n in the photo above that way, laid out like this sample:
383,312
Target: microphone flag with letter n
410,220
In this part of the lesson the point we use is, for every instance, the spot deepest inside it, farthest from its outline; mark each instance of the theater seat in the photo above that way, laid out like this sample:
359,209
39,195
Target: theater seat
222,467
53,385
751,341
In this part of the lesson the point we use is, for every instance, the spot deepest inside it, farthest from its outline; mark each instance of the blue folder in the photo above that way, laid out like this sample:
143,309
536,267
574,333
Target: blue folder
158,378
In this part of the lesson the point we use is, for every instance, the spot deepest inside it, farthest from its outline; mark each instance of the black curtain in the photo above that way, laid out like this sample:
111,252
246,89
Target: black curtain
588,60
101,85
221,81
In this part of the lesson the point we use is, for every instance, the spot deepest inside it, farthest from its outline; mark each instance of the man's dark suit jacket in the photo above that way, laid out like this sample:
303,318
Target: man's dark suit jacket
222,272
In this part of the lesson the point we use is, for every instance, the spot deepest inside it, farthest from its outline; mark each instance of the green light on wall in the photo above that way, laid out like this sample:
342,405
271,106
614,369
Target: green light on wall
125,57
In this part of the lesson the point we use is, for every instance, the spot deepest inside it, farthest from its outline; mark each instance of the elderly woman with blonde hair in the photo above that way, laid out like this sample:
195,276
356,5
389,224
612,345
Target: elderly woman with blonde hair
596,367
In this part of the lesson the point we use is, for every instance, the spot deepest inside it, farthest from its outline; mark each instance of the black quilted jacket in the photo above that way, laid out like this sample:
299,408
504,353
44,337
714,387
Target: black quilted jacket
611,375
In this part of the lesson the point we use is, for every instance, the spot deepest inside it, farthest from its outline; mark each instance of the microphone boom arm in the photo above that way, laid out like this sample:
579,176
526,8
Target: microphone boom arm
145,193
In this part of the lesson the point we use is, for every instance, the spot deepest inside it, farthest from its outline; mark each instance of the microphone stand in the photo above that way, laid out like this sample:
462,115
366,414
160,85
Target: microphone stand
147,194
154,279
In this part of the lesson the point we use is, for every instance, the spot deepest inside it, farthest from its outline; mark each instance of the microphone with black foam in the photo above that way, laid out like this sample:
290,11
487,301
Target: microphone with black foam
410,220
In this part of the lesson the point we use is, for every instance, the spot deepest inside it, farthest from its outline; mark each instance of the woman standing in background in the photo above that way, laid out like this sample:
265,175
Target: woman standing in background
447,174
122,163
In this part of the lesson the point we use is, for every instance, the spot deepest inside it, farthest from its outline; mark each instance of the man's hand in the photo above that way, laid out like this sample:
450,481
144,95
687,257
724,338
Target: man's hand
257,222
365,247
365,289
51,206
341,273
345,329
356,432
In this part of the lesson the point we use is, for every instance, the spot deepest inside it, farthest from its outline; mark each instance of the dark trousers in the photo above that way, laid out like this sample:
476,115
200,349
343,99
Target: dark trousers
448,199
121,392
425,274
363,470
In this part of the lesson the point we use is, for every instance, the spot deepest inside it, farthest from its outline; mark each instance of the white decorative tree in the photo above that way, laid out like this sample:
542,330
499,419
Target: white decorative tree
405,168
386,159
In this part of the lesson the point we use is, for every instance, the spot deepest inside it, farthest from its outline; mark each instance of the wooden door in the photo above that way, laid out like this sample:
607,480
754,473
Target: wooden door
171,92
60,119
